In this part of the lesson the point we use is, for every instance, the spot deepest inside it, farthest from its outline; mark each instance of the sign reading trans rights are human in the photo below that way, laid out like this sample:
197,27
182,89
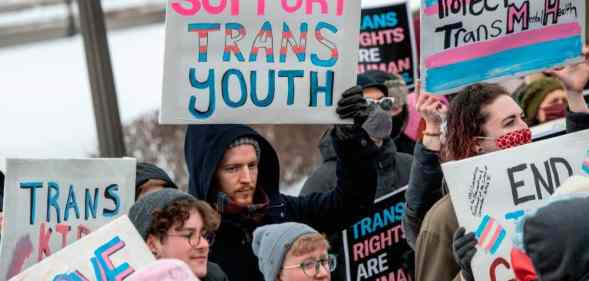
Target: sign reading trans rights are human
470,41
258,61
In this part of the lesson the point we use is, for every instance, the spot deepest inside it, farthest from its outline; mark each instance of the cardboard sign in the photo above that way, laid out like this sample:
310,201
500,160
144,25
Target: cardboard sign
114,252
49,204
490,193
466,42
387,41
375,245
258,61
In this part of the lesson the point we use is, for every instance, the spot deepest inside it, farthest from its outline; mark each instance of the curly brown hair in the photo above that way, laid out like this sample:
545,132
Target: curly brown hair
177,213
466,118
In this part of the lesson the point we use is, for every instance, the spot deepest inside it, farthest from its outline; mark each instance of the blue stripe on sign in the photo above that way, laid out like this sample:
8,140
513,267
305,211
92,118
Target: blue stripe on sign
498,242
482,226
505,63
429,3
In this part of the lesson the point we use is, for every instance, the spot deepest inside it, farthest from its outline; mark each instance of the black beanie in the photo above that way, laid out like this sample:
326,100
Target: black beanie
146,171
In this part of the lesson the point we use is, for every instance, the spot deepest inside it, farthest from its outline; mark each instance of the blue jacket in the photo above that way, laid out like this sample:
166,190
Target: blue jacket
327,212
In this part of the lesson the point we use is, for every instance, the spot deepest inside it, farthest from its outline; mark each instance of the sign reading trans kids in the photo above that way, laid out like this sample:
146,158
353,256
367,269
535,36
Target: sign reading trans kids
470,41
493,192
114,252
49,204
258,61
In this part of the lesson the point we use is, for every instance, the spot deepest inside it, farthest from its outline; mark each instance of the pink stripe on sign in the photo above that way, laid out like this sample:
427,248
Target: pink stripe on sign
433,9
495,235
513,41
486,232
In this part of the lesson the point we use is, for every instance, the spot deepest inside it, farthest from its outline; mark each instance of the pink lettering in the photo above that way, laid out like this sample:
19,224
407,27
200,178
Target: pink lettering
309,6
291,9
63,229
44,236
181,10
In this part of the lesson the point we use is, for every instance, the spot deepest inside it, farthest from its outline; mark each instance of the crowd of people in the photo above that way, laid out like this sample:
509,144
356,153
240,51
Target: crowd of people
233,223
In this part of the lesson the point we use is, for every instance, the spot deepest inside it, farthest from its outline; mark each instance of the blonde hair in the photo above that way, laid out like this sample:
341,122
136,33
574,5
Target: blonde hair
308,243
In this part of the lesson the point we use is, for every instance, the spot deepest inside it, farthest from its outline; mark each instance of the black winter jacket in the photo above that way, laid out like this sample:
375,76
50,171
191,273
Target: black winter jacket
393,173
326,212
393,169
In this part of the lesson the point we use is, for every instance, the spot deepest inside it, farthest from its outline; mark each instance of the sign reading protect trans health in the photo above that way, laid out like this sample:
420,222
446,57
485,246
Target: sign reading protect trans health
258,61
471,41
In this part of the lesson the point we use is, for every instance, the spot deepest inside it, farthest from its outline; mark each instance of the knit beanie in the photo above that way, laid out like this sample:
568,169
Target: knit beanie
272,242
246,140
141,212
147,171
531,98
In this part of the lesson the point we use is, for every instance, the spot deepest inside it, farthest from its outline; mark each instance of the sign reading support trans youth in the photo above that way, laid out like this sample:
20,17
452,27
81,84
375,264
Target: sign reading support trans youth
49,204
375,246
258,61
114,252
492,193
468,41
387,41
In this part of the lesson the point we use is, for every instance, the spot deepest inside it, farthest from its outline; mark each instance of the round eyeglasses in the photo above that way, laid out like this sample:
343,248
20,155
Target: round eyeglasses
312,267
194,237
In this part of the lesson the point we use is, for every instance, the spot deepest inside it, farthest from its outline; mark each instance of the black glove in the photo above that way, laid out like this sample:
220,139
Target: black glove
464,249
352,105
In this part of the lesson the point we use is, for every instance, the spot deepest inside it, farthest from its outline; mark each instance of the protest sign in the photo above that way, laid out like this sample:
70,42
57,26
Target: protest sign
387,41
492,192
114,252
466,42
375,246
258,61
49,204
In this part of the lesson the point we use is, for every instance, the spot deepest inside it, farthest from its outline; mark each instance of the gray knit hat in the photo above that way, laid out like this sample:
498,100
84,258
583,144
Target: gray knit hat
141,212
272,242
246,140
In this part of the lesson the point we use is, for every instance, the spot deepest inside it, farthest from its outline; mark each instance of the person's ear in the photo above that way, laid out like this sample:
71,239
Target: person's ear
155,245
477,148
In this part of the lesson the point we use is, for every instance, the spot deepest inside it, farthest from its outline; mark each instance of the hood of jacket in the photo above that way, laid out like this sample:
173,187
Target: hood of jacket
204,149
555,239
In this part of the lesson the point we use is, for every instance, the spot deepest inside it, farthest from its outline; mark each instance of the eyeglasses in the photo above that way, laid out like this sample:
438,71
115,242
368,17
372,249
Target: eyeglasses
194,238
386,103
311,267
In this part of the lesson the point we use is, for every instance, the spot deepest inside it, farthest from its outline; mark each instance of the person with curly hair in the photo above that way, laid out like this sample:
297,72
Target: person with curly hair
175,225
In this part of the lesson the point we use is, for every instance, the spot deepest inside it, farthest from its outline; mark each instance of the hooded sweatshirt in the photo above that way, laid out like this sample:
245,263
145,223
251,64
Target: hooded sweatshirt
555,239
205,147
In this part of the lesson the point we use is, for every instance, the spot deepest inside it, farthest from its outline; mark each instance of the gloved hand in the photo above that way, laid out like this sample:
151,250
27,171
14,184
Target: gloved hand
464,249
352,105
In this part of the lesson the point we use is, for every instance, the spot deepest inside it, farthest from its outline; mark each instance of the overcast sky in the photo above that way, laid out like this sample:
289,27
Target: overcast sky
45,104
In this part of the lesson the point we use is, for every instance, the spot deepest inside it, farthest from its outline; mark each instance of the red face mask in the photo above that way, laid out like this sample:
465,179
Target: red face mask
515,138
555,111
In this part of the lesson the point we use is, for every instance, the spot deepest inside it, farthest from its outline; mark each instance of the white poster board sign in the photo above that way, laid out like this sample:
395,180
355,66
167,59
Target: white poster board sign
49,204
466,42
114,252
490,193
258,61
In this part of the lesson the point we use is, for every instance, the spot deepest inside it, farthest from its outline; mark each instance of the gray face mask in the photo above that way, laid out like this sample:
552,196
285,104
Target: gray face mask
379,123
